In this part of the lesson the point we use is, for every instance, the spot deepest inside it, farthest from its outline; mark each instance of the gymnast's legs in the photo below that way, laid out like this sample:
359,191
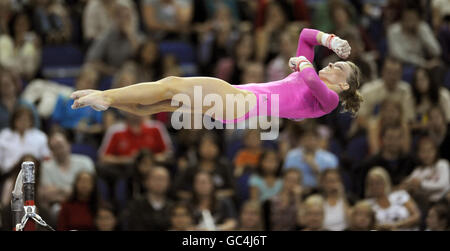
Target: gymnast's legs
154,97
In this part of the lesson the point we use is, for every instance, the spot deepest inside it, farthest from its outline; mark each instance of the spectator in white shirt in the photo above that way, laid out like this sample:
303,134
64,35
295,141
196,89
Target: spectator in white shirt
394,210
431,179
21,138
59,173
410,38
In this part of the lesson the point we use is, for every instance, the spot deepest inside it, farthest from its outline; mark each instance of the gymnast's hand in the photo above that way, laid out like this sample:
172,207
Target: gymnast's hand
296,63
340,47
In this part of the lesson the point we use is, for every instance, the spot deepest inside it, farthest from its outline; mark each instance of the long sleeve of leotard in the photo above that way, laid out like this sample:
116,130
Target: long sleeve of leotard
306,43
327,98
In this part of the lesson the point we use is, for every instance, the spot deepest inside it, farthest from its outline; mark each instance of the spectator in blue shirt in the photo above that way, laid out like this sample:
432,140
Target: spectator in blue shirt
310,159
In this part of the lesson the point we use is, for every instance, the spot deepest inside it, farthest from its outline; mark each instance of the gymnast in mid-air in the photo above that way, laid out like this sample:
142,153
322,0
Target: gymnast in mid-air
302,94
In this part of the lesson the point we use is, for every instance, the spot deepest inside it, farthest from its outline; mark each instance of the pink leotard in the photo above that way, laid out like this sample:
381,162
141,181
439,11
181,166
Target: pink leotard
301,94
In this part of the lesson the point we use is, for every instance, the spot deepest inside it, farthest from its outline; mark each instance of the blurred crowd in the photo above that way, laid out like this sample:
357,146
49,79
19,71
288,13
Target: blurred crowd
385,169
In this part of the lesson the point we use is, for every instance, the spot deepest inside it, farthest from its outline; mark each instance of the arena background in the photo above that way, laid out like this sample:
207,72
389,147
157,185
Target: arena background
385,169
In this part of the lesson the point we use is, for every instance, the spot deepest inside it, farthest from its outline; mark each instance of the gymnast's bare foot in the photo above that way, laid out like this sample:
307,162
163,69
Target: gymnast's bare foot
92,98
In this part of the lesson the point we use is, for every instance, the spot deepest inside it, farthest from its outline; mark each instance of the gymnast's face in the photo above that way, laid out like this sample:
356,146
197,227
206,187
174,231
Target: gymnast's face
335,76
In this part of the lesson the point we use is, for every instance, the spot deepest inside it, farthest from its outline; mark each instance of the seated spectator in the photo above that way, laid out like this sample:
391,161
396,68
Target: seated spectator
85,120
21,50
166,19
430,180
7,183
277,68
439,130
312,213
106,218
310,159
284,206
391,113
217,39
59,173
21,138
265,182
181,218
438,218
389,86
209,159
391,157
9,98
428,93
148,58
78,213
362,217
336,207
409,38
231,68
251,217
97,18
150,212
52,21
145,161
254,72
268,36
123,141
210,212
394,210
120,43
248,157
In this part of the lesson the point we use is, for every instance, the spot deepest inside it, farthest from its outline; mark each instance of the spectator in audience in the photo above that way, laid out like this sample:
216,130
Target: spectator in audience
97,18
312,213
430,180
21,138
85,120
9,98
170,66
150,212
20,48
427,93
268,36
284,206
52,21
209,159
113,48
181,218
309,158
391,113
78,213
439,130
166,19
254,72
362,217
438,218
231,68
409,38
265,182
336,207
210,211
122,142
59,173
248,157
391,157
218,40
106,218
394,210
148,60
136,182
390,86
277,68
251,217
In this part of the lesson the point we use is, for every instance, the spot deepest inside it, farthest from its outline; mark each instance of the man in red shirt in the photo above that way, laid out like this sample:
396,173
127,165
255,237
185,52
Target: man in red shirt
123,141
